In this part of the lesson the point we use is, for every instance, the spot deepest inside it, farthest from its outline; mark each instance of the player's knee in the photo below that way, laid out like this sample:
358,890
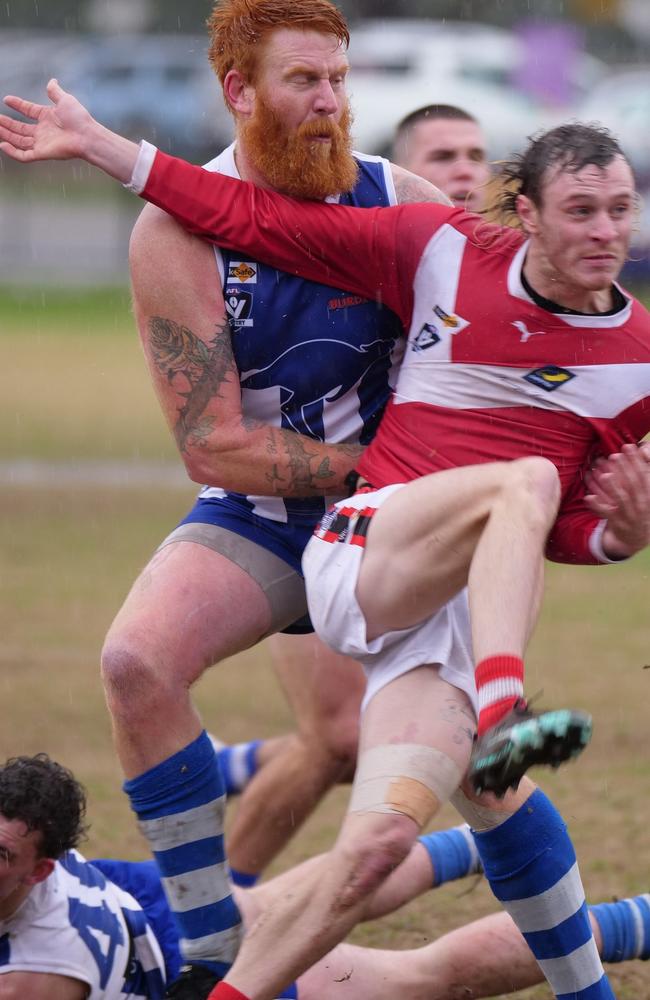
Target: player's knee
369,861
339,743
533,485
132,684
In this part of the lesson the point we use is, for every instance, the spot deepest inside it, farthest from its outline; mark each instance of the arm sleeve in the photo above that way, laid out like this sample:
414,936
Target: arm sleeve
576,536
353,248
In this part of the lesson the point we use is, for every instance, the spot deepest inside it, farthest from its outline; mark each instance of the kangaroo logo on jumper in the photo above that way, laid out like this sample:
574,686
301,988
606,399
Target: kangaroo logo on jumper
239,305
550,377
526,334
241,270
427,337
306,385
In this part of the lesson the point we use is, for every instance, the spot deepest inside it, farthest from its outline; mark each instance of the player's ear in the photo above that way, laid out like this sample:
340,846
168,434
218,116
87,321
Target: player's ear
239,93
527,212
42,870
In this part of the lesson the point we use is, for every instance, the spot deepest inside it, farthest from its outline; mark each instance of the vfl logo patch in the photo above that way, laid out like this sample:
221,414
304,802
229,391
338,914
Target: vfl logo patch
241,270
427,337
550,377
239,305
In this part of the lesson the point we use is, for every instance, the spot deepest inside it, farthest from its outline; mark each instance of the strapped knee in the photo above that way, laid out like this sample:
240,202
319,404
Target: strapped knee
406,778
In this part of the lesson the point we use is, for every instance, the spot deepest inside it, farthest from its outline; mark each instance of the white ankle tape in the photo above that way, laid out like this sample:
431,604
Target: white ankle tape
480,818
405,778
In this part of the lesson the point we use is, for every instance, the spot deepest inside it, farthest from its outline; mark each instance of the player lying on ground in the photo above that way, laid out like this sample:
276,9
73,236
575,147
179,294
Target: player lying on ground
71,929
418,729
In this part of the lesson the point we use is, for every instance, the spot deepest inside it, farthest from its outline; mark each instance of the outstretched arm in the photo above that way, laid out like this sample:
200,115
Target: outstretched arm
352,248
64,130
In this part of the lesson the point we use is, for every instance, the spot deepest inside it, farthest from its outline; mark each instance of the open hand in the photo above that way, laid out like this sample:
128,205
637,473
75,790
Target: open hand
56,132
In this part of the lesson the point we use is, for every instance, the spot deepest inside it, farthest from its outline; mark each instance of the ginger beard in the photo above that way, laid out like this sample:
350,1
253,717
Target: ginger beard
292,163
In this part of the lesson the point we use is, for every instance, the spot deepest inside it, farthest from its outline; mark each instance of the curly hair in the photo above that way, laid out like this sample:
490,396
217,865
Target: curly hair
47,798
568,147
236,28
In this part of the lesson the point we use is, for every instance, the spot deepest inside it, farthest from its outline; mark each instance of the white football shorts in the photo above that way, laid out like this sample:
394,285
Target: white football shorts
331,563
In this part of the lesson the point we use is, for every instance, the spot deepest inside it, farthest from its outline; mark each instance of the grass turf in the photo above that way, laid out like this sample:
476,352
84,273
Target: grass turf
74,384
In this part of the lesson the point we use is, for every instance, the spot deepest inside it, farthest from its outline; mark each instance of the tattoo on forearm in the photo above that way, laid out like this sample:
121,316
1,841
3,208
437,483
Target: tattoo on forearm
309,472
198,370
204,367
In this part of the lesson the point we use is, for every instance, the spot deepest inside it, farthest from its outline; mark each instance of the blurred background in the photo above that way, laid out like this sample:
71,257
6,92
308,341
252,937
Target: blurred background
90,480
141,67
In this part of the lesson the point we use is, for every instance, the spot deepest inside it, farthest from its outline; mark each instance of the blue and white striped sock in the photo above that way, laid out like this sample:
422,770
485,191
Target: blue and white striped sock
453,854
180,806
238,762
531,866
624,928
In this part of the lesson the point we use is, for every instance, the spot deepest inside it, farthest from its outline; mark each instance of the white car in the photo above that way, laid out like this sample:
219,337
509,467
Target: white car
400,65
621,102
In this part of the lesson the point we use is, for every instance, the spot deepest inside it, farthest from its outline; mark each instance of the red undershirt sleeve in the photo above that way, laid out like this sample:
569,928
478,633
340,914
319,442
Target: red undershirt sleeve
352,248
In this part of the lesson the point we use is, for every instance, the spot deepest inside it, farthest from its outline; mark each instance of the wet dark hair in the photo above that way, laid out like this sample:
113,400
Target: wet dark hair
47,798
568,147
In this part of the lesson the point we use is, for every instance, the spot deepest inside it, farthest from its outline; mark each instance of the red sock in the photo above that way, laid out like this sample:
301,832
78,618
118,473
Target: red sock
500,684
224,991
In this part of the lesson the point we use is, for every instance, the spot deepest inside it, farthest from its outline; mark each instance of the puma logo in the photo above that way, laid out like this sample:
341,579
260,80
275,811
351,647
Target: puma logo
526,334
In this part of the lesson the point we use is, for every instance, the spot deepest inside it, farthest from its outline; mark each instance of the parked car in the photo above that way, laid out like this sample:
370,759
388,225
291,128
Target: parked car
621,102
398,65
157,87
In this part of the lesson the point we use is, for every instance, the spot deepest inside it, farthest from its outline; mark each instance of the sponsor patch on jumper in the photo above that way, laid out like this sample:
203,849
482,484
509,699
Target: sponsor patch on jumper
345,301
242,271
448,319
550,377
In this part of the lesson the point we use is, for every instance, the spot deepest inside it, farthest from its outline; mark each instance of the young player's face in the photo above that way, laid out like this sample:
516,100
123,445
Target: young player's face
581,231
298,136
451,154
21,866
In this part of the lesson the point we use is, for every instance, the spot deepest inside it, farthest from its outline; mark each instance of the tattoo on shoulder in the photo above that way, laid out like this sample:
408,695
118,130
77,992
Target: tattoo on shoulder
198,369
411,189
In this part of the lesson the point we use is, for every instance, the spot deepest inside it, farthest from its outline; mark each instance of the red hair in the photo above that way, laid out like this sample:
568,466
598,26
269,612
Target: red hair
238,27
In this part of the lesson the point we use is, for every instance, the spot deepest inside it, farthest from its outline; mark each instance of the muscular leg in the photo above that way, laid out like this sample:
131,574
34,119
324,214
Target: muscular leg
529,861
317,911
324,691
189,608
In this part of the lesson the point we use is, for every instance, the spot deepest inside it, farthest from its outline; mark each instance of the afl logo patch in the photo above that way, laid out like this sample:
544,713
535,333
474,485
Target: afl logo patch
550,377
243,271
238,306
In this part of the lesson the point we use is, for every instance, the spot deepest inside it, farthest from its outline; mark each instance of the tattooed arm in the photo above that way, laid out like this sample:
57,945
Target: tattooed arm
411,188
180,314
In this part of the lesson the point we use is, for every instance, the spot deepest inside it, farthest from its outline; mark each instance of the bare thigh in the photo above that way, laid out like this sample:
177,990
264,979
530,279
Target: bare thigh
419,707
189,608
420,545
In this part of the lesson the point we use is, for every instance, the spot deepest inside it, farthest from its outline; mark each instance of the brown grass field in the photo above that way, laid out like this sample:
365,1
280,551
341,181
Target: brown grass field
72,387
